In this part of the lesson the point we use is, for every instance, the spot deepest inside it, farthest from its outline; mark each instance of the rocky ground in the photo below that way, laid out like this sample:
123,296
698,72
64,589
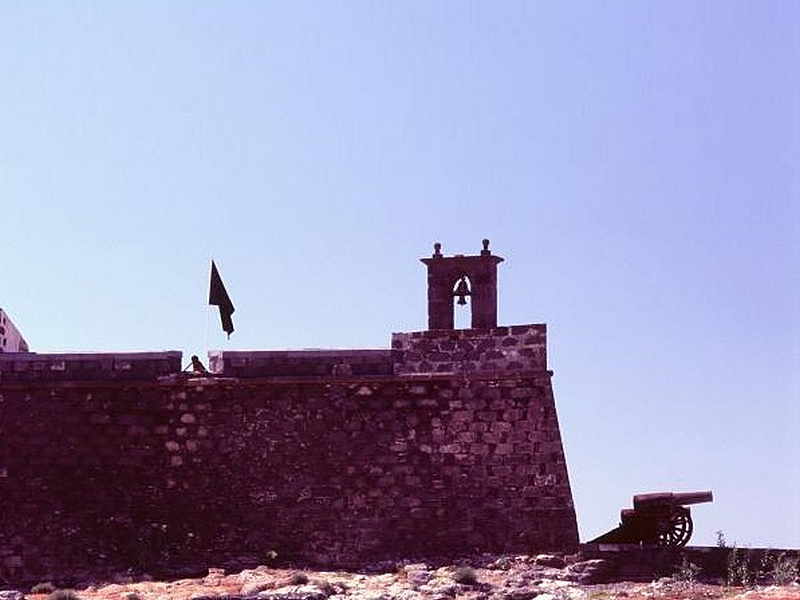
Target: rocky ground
518,578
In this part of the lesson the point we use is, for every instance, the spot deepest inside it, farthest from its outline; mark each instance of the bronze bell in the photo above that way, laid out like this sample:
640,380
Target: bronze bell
462,290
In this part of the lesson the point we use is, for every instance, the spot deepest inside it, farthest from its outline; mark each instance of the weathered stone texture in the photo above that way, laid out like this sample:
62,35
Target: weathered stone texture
133,366
502,349
342,468
302,363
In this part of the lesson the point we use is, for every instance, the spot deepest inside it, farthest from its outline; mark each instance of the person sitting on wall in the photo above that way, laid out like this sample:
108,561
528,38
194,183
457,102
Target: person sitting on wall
197,367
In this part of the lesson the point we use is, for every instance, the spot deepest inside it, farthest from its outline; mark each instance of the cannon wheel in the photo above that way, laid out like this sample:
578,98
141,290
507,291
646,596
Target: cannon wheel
676,528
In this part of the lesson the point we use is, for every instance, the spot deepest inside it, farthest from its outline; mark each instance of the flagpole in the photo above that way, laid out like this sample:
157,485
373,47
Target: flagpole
208,306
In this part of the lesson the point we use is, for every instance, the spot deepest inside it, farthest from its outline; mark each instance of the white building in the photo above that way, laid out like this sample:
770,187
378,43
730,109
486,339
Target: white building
11,339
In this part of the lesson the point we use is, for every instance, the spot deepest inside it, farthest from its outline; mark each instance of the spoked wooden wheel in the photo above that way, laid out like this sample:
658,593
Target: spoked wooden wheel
676,528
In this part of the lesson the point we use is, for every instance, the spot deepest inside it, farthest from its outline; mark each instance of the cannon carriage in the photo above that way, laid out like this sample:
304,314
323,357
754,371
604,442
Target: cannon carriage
657,519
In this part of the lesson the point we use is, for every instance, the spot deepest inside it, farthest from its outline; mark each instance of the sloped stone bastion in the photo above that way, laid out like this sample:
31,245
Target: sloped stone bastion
444,444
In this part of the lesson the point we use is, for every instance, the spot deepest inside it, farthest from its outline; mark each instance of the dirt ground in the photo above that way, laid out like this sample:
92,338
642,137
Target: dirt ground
413,582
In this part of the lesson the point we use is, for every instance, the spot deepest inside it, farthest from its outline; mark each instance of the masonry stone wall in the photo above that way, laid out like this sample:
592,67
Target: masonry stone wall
502,349
123,462
303,363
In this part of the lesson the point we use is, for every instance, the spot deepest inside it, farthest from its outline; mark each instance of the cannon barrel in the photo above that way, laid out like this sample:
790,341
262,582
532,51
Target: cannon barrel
644,501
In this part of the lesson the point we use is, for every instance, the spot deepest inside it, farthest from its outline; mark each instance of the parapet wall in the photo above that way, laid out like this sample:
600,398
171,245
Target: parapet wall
344,465
120,366
302,363
502,349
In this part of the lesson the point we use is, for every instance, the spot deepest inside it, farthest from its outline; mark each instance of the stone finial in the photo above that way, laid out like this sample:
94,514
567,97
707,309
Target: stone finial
437,250
485,250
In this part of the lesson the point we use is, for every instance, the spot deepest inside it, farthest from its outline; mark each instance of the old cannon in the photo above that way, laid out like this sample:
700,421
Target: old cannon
659,519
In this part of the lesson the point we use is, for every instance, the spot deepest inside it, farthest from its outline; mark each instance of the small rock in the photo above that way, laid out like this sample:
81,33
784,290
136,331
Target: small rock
439,587
300,592
417,574
550,560
11,595
254,587
503,563
520,593
596,570
370,595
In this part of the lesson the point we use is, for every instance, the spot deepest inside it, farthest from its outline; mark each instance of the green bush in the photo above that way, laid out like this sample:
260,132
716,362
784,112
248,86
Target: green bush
721,541
43,588
465,576
298,578
686,573
328,588
784,569
738,568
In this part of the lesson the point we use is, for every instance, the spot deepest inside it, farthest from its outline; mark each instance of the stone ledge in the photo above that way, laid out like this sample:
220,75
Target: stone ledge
31,367
301,363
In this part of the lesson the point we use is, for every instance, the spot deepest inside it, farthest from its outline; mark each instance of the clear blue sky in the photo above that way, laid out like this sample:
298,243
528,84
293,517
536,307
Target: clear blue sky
637,164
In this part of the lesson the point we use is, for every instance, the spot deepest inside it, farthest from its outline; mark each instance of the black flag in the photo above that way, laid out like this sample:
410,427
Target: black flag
219,297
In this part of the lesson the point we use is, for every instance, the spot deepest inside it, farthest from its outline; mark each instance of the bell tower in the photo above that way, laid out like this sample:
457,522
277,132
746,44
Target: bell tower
459,277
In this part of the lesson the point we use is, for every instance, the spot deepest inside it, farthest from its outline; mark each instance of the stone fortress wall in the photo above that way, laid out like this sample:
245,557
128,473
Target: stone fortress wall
445,444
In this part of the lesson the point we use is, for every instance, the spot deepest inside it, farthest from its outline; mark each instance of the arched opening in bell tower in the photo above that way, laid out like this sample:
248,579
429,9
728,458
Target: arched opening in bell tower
462,302
457,282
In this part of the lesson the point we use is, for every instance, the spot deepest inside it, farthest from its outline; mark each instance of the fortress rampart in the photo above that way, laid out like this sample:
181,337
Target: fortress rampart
445,444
